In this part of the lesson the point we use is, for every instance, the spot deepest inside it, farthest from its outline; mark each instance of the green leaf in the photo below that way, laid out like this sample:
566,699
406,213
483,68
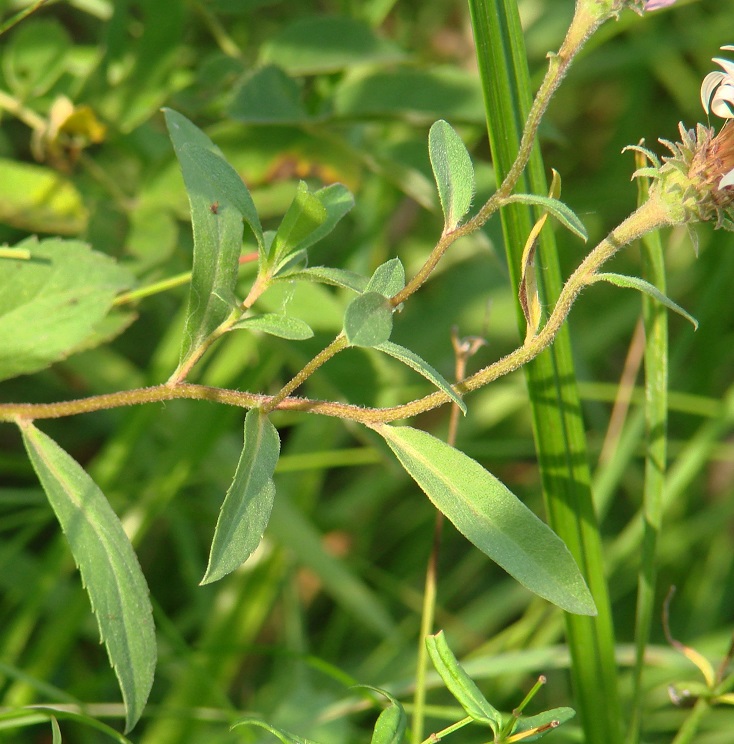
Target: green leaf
460,684
305,215
453,171
634,282
268,96
282,326
368,320
217,238
34,57
406,356
39,199
226,182
557,208
284,736
110,570
391,723
337,200
490,516
321,44
54,303
293,263
249,501
556,716
55,732
388,279
335,277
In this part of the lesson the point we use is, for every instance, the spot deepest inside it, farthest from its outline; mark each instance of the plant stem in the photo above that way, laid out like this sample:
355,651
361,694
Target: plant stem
648,217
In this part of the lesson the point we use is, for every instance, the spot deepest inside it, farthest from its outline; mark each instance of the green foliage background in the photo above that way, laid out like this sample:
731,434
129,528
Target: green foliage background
305,89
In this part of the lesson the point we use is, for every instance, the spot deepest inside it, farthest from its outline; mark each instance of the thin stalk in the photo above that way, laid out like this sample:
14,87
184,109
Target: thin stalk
656,419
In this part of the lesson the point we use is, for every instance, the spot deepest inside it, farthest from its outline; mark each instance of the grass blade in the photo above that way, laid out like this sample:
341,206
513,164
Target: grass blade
559,429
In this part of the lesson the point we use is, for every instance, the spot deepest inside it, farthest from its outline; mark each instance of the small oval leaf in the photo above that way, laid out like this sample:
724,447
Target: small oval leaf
388,279
453,171
249,500
368,320
489,515
107,562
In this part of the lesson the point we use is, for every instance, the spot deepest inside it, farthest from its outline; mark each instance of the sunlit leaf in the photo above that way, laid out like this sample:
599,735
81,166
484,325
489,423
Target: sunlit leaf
368,320
249,500
108,565
388,278
406,356
558,209
217,231
489,515
336,277
453,171
55,303
634,282
460,684
283,326
547,721
305,216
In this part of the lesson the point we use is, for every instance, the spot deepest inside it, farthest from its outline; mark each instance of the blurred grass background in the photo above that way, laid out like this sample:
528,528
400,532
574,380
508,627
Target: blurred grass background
345,91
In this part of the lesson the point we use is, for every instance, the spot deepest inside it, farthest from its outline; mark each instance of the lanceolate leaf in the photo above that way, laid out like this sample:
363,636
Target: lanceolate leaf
489,515
227,183
549,718
453,171
460,684
634,282
391,723
217,227
304,217
337,200
249,501
336,277
406,356
108,565
557,208
282,326
54,303
283,736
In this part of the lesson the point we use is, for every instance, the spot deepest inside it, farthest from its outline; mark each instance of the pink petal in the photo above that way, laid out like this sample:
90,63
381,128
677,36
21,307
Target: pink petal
657,4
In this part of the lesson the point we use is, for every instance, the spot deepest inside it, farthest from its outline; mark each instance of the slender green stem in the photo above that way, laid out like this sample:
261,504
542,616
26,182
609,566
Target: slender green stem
689,729
433,738
337,345
152,289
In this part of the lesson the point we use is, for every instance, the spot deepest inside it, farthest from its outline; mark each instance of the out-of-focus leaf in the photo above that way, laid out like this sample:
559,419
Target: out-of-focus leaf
39,199
337,200
268,96
453,171
108,565
428,95
34,57
55,303
314,45
488,514
249,501
283,736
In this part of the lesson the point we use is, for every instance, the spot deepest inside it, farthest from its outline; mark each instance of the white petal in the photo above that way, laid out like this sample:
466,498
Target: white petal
727,180
728,66
728,48
708,86
721,100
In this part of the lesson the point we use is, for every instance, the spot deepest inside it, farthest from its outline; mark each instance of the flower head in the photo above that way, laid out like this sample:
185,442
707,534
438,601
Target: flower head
717,89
